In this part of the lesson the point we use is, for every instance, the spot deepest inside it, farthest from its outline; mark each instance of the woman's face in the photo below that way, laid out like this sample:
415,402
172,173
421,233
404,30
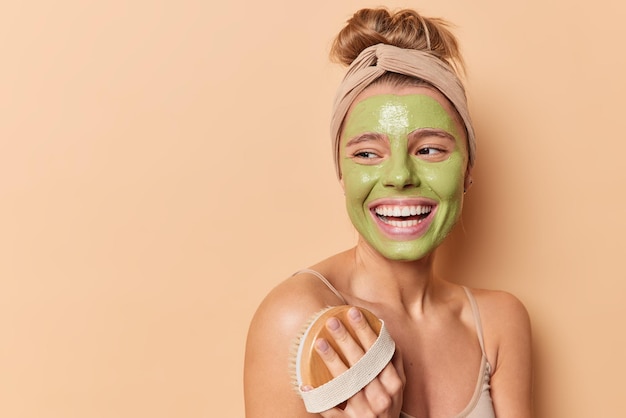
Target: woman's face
403,163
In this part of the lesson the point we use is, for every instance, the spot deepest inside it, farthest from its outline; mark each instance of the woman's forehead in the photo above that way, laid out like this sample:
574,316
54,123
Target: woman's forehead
399,114
388,107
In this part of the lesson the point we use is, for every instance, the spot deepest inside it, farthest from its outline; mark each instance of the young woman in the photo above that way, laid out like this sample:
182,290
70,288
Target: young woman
404,152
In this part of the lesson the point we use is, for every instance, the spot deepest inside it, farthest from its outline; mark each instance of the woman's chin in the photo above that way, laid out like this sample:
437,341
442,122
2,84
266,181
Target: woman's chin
404,250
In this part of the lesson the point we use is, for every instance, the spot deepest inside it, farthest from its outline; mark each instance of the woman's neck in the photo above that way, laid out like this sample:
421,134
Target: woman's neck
376,279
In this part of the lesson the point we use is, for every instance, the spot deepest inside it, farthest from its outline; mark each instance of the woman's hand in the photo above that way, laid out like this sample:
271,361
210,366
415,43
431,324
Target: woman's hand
382,397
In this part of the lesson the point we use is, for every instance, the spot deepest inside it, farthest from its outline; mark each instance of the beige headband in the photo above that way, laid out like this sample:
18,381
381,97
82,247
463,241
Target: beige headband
379,59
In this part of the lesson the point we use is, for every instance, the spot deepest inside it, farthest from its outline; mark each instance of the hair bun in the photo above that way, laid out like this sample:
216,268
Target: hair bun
403,28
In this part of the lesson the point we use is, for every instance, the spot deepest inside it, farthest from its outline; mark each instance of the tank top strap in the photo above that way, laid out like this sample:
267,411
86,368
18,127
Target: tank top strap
325,281
477,322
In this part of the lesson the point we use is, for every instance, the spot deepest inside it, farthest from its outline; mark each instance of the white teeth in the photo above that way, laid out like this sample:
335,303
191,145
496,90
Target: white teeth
403,224
398,211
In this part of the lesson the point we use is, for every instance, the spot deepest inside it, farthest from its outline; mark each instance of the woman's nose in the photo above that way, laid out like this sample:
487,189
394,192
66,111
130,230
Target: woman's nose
400,173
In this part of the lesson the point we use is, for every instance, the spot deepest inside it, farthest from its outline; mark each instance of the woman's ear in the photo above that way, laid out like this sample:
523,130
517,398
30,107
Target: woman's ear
468,181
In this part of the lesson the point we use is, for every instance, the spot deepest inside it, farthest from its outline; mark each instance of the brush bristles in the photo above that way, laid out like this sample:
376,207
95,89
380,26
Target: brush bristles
295,349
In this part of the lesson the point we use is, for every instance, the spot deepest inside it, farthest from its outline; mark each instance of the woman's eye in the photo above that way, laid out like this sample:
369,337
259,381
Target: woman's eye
366,154
429,151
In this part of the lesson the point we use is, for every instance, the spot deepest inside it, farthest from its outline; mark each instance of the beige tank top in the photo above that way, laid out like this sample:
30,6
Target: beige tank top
481,405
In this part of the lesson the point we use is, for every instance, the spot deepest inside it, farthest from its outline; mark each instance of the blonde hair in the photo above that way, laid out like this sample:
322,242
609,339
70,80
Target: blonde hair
404,28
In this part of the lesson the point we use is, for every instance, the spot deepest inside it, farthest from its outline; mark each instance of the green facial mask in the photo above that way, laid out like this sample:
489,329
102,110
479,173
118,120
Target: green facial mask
403,164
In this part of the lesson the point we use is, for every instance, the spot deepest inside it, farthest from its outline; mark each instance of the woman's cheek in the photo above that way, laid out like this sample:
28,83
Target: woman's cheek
445,178
358,180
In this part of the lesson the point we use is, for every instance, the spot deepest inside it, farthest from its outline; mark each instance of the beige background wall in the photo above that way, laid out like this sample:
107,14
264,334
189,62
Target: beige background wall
164,164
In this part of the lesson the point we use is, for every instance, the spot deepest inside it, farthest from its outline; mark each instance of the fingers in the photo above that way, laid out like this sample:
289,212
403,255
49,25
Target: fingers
385,393
393,379
382,396
332,360
347,345
336,366
398,365
361,327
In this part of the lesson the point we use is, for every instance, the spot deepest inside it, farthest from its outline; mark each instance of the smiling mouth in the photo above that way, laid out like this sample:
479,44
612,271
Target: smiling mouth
402,216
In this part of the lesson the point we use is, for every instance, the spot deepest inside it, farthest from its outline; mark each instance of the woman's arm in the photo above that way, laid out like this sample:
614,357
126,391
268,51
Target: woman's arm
269,391
507,328
268,384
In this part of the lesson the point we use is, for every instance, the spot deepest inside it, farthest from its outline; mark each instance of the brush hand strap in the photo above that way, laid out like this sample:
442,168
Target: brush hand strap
350,382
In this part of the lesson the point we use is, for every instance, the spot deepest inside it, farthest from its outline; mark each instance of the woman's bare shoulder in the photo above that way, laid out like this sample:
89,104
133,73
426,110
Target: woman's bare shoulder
507,335
278,322
294,300
506,327
499,308
497,299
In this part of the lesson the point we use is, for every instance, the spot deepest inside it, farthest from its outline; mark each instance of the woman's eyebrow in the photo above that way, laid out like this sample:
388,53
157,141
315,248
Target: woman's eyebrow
424,132
366,137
